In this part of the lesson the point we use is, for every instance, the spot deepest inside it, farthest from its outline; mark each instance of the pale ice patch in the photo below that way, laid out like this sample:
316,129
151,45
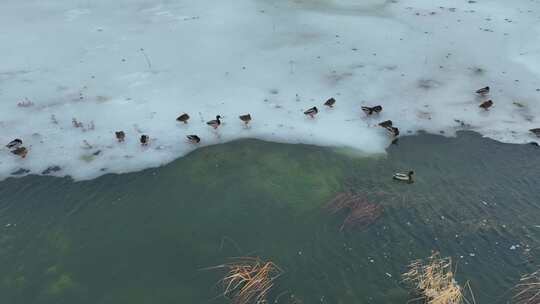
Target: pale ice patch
136,65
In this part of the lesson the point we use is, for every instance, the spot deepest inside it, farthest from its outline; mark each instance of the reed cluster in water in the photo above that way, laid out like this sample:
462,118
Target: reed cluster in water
249,280
434,280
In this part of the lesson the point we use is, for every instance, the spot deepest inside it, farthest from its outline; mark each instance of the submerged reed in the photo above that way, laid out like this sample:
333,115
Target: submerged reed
360,212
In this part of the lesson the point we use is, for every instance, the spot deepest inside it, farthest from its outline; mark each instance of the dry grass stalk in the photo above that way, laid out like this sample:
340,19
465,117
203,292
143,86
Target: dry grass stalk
360,212
528,290
249,280
434,280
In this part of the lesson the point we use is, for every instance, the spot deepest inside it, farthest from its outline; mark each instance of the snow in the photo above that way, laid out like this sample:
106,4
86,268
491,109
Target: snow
136,65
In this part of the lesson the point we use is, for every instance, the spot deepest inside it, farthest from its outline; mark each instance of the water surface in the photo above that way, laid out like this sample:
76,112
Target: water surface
144,237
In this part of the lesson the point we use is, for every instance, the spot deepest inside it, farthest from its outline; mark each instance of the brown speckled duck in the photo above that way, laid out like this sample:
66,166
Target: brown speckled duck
245,118
330,102
183,118
486,104
194,139
120,136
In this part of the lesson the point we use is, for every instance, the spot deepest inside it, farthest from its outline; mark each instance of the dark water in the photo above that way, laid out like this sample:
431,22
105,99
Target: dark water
144,237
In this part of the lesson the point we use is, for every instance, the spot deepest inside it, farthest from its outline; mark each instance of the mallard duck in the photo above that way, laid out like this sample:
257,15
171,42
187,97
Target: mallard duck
144,140
245,118
194,139
371,110
215,123
393,130
312,112
20,151
483,91
535,131
404,177
386,124
183,118
486,104
330,102
14,144
120,136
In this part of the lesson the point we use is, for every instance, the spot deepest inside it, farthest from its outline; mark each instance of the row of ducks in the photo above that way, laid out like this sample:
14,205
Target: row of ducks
16,147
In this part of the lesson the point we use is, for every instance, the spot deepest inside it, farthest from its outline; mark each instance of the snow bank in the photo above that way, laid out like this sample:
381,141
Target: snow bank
135,65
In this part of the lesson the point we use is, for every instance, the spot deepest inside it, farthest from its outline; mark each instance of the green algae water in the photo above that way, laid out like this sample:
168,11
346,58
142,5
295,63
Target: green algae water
146,237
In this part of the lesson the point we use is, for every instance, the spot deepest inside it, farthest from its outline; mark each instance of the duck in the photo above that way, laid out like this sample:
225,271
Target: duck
404,177
183,118
215,123
245,118
194,139
386,124
393,130
144,140
483,91
371,110
14,144
535,131
330,102
120,136
486,104
312,112
20,151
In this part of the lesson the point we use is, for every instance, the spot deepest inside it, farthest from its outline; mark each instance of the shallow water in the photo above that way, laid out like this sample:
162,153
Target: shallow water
145,237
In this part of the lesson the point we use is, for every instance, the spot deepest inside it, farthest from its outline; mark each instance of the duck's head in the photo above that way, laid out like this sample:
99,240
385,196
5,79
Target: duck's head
218,117
411,173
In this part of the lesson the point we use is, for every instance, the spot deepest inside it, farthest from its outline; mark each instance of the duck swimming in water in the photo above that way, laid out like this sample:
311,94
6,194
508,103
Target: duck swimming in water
483,91
371,110
404,177
194,139
14,143
120,136
245,118
215,123
330,102
486,104
183,118
145,140
312,112
20,151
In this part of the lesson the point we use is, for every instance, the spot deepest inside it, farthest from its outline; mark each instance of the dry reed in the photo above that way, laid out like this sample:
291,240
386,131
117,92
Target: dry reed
528,290
248,280
434,280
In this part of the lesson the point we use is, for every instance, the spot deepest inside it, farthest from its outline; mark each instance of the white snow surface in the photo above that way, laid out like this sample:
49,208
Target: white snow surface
135,65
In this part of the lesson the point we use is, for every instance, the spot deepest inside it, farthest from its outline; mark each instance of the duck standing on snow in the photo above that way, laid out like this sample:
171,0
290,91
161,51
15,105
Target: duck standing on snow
535,131
404,177
486,104
215,123
194,139
183,118
312,112
20,151
120,136
330,102
371,110
483,91
145,140
393,130
245,118
14,144
386,124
